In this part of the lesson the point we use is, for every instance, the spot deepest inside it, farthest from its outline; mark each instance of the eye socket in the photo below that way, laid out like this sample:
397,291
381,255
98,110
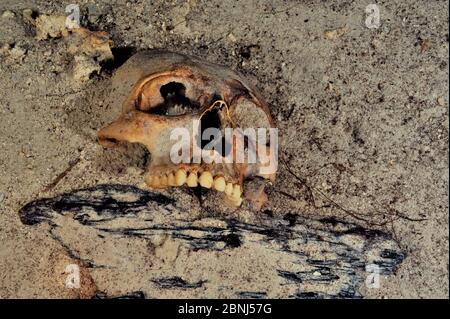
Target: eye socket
175,101
173,90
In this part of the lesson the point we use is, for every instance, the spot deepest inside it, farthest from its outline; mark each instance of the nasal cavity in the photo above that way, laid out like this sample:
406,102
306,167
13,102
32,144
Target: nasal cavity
211,119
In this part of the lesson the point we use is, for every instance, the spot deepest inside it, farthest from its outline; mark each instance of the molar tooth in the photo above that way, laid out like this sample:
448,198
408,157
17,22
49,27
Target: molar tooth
149,180
192,180
171,180
229,189
233,201
156,181
237,201
206,180
219,184
180,177
163,180
236,192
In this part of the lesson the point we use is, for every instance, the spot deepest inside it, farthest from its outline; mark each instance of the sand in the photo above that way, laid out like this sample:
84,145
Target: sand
362,115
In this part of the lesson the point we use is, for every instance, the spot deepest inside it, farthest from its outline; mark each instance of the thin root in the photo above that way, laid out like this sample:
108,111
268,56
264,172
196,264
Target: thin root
220,104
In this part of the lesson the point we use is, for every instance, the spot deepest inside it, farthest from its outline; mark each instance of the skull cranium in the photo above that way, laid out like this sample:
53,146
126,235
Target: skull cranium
163,91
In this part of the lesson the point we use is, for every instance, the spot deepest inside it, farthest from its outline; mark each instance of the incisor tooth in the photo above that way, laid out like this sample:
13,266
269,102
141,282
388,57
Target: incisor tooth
219,184
192,180
229,189
206,180
236,192
180,177
171,180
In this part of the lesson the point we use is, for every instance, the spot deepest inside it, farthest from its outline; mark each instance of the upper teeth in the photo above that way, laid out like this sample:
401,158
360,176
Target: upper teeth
219,184
206,180
180,177
192,179
229,189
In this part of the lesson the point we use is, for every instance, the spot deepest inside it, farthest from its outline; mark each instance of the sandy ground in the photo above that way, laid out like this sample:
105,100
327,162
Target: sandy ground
362,113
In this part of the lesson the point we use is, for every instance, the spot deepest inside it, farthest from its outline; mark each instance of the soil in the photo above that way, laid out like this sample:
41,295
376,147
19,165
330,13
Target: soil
362,115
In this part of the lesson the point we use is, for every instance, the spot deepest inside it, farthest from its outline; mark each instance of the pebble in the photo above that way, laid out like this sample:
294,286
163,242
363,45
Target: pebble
8,14
376,43
325,186
17,52
334,34
27,15
83,67
133,171
94,13
232,38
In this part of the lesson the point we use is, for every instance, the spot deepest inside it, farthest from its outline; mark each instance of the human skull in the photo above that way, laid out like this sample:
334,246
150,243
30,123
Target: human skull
164,92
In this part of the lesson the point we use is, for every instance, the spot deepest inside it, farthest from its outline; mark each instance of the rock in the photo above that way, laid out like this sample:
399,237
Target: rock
95,44
232,38
84,66
4,50
89,48
17,53
337,33
8,15
50,26
425,45
27,15
255,194
94,13
13,52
